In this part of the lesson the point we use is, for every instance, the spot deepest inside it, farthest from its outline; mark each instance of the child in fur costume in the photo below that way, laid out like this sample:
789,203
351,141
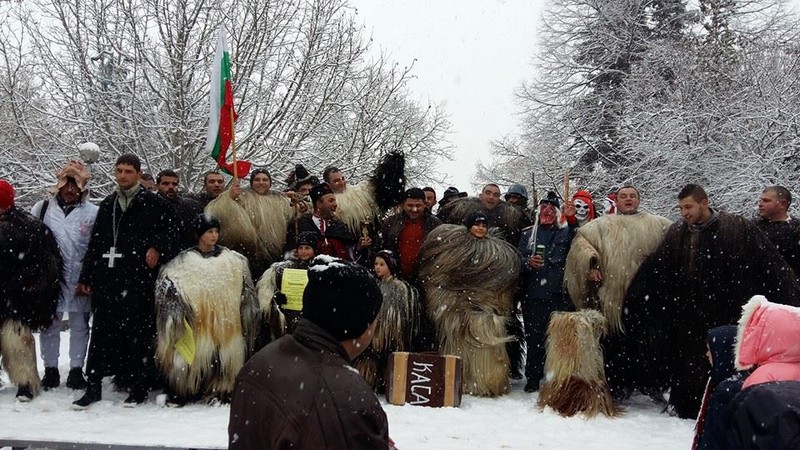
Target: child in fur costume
469,279
398,322
279,319
206,290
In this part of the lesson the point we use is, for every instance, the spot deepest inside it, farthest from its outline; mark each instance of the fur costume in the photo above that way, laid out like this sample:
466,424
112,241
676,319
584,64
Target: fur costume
254,225
509,220
269,285
366,202
616,245
576,379
469,288
697,279
215,296
29,288
398,322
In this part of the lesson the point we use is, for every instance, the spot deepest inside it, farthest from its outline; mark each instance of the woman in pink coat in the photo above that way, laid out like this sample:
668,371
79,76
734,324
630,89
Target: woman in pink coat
768,339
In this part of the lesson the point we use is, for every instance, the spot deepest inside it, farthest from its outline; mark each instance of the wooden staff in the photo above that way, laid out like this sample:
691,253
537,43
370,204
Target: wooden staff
566,185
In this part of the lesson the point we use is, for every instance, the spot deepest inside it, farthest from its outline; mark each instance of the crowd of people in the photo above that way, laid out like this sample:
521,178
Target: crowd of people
252,287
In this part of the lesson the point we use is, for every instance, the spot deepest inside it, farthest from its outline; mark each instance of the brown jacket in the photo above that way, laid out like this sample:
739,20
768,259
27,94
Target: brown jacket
301,392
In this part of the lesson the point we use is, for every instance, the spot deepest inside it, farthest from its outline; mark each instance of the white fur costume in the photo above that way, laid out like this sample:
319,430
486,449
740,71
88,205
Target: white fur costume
215,295
356,206
617,245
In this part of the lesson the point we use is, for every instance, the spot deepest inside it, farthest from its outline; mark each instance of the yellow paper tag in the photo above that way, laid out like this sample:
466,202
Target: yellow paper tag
293,285
185,345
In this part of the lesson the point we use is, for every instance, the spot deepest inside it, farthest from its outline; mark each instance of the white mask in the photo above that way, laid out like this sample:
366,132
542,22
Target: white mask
581,210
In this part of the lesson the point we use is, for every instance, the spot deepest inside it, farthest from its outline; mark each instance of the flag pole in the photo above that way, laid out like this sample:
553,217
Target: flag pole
233,147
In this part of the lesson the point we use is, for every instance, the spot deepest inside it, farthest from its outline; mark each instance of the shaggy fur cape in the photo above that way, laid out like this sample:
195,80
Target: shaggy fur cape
366,202
469,286
398,324
254,225
215,296
507,219
617,245
697,280
274,322
575,379
29,287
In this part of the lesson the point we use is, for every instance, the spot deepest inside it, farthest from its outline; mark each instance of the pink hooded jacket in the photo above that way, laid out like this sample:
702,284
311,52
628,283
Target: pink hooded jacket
769,339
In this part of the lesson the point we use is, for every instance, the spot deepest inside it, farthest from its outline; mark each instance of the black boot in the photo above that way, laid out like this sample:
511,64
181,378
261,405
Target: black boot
24,394
93,394
51,378
75,379
137,397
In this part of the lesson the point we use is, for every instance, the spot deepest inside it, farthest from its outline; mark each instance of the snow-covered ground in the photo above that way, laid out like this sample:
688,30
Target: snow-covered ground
511,421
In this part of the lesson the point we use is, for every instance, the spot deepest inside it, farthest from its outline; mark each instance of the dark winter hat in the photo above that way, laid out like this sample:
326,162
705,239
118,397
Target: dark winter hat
341,297
474,218
517,189
320,190
205,222
6,194
415,193
551,198
309,238
389,259
300,176
450,194
258,171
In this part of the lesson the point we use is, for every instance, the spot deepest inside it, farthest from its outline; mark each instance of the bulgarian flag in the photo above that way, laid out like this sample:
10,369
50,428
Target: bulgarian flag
220,124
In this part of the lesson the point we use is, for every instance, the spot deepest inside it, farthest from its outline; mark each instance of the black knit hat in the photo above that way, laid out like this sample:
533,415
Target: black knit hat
309,238
551,198
474,218
320,190
389,259
300,176
205,222
341,297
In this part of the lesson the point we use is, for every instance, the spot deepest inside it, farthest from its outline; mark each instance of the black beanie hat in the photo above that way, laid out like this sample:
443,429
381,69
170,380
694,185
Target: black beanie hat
309,238
341,297
474,218
318,191
205,222
551,198
389,259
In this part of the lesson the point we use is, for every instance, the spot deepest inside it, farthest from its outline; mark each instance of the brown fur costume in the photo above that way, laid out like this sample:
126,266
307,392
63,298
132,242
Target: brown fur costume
507,219
575,380
469,287
254,225
215,296
617,245
29,289
398,323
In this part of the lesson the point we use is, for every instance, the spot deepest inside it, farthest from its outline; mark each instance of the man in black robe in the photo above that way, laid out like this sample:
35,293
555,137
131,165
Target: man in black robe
783,231
707,267
134,233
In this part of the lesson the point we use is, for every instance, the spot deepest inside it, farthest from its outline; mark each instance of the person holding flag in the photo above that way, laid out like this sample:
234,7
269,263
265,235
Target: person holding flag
256,218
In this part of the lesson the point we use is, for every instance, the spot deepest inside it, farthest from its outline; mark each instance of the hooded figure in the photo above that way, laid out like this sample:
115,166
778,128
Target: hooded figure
469,284
207,318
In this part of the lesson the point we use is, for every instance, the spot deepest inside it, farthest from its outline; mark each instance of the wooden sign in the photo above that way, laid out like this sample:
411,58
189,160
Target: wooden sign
424,379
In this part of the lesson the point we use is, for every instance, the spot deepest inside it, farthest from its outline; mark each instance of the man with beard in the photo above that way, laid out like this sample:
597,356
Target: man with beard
707,267
29,287
132,236
71,216
186,209
783,231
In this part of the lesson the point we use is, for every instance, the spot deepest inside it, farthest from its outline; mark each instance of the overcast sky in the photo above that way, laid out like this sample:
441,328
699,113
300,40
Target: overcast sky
470,56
